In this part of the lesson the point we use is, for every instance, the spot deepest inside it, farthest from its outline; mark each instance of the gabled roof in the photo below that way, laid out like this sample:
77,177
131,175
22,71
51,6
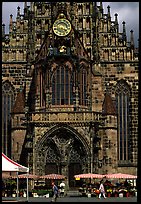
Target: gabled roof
10,165
19,103
80,50
108,106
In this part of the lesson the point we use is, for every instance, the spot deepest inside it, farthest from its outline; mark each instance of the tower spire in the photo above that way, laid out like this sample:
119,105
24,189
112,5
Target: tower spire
3,30
109,15
101,8
25,5
132,39
18,12
116,22
124,31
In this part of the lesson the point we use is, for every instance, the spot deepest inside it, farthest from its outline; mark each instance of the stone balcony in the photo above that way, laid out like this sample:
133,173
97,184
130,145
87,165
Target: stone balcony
65,117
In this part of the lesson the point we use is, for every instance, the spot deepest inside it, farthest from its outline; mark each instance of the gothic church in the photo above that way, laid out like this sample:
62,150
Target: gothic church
69,90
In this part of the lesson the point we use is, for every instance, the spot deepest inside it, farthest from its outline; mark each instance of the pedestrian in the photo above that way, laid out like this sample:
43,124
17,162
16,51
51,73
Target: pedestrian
55,192
62,189
102,190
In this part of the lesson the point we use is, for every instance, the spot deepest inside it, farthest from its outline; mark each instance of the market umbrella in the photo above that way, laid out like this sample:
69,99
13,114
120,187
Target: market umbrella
53,176
6,175
120,175
89,175
30,176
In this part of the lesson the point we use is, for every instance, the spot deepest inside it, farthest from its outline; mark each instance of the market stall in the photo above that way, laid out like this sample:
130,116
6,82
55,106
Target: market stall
8,165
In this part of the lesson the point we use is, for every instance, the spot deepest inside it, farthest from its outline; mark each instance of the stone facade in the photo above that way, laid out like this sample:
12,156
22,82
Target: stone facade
75,104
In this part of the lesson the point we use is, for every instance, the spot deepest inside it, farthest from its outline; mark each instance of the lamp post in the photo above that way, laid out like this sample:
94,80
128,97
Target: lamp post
91,147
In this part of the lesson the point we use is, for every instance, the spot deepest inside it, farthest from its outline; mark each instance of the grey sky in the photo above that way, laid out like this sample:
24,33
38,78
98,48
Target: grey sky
127,11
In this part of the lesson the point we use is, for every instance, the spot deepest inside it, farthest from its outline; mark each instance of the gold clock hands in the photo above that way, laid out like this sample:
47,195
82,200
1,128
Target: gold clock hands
62,27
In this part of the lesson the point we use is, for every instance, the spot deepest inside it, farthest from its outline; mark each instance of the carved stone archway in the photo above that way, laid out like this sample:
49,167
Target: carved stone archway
64,151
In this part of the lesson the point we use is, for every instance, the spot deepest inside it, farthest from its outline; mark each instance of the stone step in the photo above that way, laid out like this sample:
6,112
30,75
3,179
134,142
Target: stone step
73,193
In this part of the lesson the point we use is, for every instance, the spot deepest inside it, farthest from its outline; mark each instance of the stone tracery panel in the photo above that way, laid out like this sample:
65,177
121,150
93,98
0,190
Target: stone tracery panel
61,147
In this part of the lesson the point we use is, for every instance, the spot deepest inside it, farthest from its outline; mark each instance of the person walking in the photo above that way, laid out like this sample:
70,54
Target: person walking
102,190
55,192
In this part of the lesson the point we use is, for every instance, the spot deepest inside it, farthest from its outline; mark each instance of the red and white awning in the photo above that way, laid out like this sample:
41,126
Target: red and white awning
53,176
120,175
30,176
89,175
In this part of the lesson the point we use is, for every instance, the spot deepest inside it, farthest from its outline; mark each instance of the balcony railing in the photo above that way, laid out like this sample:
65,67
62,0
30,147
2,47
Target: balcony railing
64,117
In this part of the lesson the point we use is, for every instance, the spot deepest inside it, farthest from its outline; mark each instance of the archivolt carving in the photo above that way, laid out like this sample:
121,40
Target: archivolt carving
84,131
39,132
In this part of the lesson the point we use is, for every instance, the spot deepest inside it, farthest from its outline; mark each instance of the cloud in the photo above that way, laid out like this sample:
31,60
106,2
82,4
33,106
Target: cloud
9,8
127,11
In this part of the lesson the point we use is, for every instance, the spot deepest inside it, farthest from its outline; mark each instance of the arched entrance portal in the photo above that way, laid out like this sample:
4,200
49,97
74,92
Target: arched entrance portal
64,151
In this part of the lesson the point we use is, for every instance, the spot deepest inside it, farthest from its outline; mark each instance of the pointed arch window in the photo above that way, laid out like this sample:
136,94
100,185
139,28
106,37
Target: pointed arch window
83,87
7,104
62,86
122,104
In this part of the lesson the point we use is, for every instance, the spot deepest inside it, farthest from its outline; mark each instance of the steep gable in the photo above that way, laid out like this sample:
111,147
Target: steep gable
108,106
54,44
19,103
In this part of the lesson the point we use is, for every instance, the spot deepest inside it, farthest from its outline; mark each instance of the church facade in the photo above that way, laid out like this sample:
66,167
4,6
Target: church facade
69,90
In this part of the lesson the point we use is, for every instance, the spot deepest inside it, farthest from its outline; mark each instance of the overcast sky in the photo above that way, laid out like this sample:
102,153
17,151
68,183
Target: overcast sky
127,11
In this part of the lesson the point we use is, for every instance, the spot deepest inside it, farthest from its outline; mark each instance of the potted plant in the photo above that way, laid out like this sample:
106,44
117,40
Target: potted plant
122,192
34,193
115,192
109,192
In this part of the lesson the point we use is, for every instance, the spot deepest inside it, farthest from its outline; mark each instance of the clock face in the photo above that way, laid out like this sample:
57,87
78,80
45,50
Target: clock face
62,27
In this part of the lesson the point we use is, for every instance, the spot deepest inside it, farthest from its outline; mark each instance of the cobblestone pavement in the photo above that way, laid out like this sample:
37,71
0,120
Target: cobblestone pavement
71,199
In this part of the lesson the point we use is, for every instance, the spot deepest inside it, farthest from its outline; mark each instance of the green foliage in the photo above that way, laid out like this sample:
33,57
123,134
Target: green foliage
42,192
10,183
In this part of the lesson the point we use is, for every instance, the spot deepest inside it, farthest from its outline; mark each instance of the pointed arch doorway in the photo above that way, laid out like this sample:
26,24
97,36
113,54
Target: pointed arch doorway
63,150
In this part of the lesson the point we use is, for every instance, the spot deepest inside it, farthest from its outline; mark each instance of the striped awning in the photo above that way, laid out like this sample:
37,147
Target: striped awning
89,175
53,176
120,175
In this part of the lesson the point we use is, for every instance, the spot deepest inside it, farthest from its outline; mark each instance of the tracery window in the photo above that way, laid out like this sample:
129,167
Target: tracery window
122,104
7,104
83,87
62,86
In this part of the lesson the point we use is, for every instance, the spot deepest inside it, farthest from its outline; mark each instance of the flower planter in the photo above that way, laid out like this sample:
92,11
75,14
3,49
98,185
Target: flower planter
24,195
108,194
89,195
127,194
35,195
47,195
121,195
